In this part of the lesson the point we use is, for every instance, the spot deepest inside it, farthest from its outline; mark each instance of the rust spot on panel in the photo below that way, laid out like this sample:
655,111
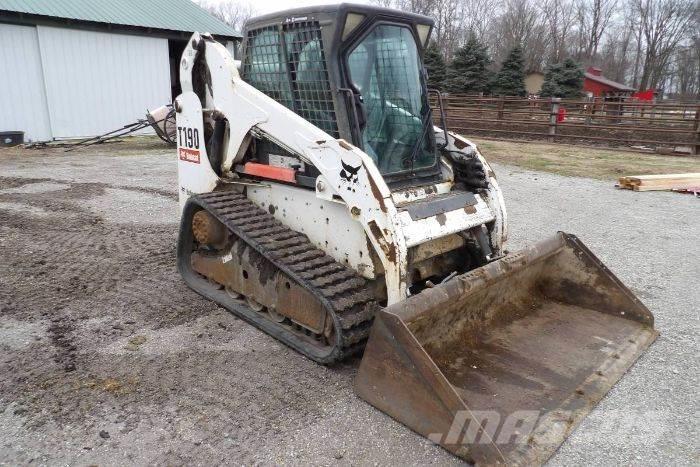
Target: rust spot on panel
470,209
441,218
250,274
391,253
375,191
345,145
389,249
374,228
299,305
460,144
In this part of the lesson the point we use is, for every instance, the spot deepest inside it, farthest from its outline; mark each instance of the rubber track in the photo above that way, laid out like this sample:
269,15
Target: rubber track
346,293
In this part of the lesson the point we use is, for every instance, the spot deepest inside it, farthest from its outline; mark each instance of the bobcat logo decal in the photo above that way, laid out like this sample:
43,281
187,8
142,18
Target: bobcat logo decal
349,175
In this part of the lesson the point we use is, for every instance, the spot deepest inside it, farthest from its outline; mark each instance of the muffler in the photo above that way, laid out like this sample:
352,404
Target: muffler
500,364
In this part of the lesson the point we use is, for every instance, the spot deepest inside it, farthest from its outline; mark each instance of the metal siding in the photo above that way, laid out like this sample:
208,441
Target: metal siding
173,15
24,104
97,82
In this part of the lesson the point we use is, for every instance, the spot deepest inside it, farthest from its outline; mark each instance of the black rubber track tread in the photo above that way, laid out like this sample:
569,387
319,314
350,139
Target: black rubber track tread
322,271
291,258
313,264
343,292
333,278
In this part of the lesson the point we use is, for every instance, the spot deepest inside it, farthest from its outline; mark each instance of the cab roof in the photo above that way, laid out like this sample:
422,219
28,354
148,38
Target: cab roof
338,10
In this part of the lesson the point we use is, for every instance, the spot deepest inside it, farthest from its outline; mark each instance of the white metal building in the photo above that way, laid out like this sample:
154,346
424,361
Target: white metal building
78,68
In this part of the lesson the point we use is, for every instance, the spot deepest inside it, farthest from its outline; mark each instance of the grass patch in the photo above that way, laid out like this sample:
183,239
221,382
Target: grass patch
602,164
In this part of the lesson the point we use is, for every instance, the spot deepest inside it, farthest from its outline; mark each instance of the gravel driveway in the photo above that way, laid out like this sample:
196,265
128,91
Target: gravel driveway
106,357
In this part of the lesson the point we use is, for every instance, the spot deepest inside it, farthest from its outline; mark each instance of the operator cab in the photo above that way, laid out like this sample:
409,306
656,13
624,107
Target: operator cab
356,72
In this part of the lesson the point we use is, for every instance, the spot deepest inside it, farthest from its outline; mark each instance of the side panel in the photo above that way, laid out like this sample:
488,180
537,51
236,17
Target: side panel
97,82
24,106
326,223
194,173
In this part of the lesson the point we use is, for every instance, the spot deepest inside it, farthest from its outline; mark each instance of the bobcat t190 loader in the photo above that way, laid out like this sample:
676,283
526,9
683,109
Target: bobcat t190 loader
322,205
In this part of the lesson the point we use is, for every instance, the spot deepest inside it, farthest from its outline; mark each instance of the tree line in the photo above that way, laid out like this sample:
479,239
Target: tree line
470,72
641,43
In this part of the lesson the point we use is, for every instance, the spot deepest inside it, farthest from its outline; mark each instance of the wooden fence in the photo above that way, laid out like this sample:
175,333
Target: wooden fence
663,127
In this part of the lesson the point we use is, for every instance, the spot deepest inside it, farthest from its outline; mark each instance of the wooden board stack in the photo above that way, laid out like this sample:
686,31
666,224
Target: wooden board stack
660,182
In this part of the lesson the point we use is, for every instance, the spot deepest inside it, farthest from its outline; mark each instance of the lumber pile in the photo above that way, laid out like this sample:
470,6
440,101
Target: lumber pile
660,182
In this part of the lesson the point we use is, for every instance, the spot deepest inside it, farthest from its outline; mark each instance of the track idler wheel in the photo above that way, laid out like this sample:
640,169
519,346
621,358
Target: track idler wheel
207,230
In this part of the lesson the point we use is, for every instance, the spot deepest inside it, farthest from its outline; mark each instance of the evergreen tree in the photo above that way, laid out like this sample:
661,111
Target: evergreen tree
468,71
563,80
510,80
435,65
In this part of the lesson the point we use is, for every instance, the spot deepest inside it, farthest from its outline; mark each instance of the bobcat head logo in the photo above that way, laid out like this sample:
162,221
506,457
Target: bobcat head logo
349,174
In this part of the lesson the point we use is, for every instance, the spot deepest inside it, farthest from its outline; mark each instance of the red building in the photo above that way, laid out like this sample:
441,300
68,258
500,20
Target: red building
597,85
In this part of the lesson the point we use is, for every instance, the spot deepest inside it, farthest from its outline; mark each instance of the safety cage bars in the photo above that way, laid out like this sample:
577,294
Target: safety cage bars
288,64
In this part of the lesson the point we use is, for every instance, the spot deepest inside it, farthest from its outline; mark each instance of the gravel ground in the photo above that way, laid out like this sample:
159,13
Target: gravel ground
106,357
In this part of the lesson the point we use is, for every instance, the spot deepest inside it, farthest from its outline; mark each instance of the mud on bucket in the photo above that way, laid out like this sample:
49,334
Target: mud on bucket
500,364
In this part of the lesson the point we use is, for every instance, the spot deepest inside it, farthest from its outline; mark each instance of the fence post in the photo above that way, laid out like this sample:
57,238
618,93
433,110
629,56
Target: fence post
696,148
501,104
554,111
589,110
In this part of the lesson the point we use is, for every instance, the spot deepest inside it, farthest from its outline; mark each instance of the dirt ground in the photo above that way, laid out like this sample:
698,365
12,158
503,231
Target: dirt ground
107,358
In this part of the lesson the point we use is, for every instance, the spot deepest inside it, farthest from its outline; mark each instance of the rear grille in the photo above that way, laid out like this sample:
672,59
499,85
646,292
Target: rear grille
264,66
288,64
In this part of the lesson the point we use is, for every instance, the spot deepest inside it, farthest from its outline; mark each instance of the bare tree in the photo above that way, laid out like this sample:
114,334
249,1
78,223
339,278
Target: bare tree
663,24
616,54
560,18
448,28
639,43
477,17
593,18
235,13
686,70
644,43
521,24
385,3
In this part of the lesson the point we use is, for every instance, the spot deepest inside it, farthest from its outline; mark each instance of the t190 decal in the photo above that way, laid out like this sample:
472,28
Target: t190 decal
188,144
188,137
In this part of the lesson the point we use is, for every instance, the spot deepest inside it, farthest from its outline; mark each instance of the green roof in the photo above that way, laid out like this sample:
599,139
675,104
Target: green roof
174,15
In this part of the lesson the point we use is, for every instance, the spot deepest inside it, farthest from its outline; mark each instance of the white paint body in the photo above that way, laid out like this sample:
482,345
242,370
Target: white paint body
68,83
367,217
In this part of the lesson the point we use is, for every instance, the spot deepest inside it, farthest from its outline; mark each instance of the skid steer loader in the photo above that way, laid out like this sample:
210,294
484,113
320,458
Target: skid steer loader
321,204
